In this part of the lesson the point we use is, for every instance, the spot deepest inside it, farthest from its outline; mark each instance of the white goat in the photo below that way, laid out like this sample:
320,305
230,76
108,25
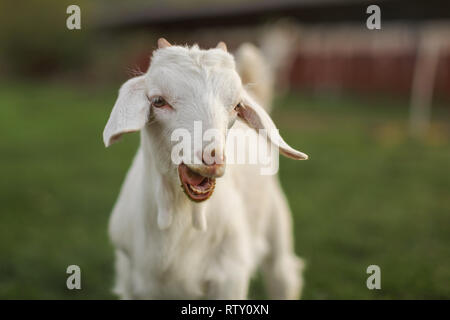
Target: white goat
168,246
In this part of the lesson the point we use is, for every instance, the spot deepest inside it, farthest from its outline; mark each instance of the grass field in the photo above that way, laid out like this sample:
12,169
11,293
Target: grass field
368,195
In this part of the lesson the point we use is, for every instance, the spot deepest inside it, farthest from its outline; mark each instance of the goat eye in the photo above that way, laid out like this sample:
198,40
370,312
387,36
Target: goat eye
238,106
159,102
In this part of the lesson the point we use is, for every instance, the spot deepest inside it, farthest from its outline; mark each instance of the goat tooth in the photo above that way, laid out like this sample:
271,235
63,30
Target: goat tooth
199,191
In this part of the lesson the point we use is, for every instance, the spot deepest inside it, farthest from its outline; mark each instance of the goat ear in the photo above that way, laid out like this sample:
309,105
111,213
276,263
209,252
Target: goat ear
130,112
257,118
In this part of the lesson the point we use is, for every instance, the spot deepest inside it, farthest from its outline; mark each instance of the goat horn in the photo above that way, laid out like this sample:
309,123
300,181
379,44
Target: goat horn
222,45
163,43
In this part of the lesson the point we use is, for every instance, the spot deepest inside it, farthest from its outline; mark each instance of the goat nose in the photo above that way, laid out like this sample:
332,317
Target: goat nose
210,168
214,158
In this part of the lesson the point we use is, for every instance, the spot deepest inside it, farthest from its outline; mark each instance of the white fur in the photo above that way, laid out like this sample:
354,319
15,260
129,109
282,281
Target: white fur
168,246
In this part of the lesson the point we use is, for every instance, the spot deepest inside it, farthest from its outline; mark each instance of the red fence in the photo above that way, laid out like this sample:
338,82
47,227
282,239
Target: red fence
363,72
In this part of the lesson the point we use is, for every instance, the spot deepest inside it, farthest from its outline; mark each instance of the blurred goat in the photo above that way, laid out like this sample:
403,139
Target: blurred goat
168,246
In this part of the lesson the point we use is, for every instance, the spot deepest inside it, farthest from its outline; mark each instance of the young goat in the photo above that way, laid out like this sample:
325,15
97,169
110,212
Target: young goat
207,241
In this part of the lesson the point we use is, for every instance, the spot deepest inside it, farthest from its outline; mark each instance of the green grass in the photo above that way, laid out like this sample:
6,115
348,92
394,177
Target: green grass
368,195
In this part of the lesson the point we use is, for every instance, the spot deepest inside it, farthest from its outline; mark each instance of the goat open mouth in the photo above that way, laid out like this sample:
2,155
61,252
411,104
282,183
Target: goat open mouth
197,187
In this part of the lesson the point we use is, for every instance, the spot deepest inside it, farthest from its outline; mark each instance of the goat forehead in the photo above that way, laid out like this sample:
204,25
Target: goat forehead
193,57
190,73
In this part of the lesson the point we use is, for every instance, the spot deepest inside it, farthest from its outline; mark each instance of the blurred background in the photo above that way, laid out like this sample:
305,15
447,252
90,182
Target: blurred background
370,107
